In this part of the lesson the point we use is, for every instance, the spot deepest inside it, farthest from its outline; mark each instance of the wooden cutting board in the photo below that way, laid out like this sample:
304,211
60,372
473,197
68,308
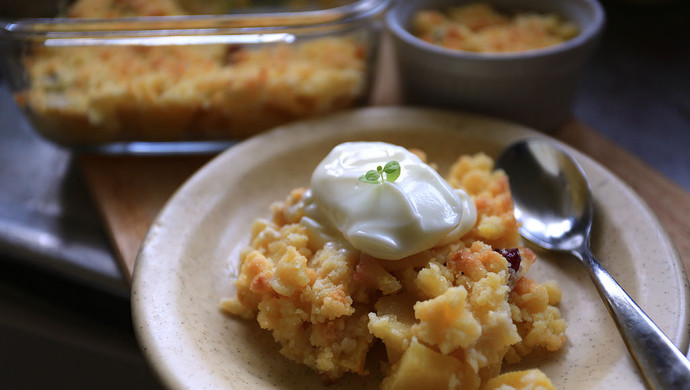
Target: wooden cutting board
129,191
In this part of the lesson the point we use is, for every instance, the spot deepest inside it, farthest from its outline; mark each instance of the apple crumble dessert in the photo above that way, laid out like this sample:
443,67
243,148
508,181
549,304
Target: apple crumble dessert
451,316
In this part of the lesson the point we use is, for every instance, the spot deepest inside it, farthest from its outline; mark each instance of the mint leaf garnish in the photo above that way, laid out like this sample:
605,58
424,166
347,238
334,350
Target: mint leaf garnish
389,172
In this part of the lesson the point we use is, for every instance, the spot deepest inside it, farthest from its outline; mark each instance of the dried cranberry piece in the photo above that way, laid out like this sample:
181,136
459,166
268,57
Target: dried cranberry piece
512,255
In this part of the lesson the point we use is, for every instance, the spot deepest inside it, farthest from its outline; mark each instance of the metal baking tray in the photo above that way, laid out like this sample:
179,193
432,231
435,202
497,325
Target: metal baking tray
47,219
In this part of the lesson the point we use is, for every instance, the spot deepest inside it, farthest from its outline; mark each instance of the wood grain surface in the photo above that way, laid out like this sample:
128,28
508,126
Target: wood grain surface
129,191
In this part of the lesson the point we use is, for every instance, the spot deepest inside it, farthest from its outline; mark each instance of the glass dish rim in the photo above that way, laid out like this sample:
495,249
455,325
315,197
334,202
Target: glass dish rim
350,13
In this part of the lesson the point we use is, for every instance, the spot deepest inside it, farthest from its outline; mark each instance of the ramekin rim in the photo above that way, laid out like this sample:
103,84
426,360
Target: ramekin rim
395,26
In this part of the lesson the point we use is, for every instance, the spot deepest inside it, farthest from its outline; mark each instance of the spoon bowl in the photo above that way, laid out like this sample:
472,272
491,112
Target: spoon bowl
552,196
553,203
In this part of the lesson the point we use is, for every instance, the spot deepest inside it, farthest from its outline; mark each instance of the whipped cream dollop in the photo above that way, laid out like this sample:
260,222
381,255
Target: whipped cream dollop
387,220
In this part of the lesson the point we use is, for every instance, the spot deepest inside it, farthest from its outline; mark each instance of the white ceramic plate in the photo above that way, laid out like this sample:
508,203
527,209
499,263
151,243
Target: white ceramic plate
186,263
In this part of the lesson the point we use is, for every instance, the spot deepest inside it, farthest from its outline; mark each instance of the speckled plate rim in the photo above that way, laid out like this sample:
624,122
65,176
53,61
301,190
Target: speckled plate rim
172,310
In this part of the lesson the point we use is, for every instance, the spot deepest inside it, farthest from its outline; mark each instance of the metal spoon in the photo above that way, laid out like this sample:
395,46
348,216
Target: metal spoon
553,203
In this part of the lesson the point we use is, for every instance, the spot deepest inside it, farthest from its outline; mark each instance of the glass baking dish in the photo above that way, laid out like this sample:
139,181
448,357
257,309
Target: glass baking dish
182,76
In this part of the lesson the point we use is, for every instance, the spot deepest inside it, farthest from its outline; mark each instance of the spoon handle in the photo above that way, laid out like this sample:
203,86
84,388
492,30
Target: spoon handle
661,363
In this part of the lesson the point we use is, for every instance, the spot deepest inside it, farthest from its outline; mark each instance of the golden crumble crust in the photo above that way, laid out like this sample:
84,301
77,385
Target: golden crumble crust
479,27
188,92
